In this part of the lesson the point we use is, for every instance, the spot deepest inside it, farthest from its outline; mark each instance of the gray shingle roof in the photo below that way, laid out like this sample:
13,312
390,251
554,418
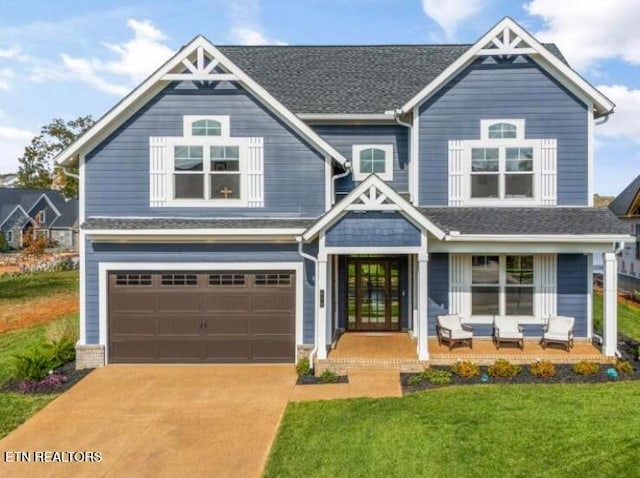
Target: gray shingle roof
346,79
525,221
26,197
621,204
194,223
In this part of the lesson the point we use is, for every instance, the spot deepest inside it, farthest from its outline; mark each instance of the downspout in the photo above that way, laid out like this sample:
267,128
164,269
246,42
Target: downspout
67,173
396,115
347,171
304,255
603,119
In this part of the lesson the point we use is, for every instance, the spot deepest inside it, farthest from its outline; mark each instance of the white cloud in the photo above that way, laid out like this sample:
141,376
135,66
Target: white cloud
588,31
12,143
11,52
245,24
136,59
6,74
624,122
449,14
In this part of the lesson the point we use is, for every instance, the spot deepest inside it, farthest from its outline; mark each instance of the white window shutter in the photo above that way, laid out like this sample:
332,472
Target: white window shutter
549,172
545,273
459,284
456,173
255,173
157,178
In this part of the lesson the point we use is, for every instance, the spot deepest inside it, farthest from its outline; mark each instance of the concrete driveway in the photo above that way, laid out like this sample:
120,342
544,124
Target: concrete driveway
160,421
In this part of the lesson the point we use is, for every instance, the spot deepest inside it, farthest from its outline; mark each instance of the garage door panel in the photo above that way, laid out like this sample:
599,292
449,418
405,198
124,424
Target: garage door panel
192,317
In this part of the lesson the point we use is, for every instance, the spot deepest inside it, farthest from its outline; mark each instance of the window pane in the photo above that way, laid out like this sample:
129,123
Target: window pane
519,269
502,130
366,166
484,159
188,158
518,185
378,166
485,300
519,159
484,186
372,160
225,186
519,300
206,128
378,154
485,269
189,186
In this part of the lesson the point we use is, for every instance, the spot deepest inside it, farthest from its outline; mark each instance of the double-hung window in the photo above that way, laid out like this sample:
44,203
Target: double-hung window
502,285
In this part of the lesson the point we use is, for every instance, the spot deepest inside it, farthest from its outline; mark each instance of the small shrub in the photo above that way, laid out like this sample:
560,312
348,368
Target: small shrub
504,368
636,295
329,377
303,367
623,366
33,243
437,377
543,369
466,369
415,379
4,245
62,329
47,384
585,368
35,364
63,350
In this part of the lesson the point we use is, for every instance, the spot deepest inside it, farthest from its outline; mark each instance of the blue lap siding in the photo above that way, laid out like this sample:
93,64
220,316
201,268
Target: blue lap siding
504,91
373,229
117,171
183,253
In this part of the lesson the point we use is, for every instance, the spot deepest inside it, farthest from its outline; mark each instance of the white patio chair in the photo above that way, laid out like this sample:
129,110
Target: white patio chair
451,329
507,329
559,329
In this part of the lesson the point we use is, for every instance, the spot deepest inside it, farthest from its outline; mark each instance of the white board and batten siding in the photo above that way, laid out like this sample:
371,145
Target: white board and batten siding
549,172
159,172
456,173
545,282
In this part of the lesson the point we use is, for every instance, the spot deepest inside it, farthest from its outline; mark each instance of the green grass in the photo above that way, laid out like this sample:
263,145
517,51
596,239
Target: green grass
628,317
40,284
15,408
480,431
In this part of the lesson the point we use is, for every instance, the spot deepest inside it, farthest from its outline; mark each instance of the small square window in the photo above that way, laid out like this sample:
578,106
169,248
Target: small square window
373,159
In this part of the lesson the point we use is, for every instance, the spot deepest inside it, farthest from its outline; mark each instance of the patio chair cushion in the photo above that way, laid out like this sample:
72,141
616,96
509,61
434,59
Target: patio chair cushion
508,327
559,326
556,337
461,334
451,322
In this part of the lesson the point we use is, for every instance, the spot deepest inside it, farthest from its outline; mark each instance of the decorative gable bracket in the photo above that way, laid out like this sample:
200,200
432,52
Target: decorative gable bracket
373,200
506,43
200,66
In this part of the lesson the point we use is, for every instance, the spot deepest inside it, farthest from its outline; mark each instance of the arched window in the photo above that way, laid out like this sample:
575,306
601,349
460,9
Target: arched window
206,127
373,159
503,131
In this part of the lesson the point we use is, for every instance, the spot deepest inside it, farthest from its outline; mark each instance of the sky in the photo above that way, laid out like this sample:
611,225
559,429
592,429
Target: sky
68,58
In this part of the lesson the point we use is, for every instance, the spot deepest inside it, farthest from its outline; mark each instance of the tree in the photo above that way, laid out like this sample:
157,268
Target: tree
36,168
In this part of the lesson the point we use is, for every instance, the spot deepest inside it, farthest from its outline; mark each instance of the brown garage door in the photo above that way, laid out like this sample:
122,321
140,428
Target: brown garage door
191,317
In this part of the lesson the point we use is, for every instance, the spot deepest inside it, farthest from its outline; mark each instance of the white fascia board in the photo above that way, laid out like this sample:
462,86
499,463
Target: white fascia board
492,247
603,103
354,118
194,232
154,83
48,201
548,238
406,209
17,208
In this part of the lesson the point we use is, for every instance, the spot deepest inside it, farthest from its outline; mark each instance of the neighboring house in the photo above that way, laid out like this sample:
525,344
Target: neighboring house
8,180
244,204
44,211
627,207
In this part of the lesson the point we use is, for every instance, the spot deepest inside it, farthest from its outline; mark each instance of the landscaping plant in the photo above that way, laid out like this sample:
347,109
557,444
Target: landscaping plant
466,369
303,367
437,377
329,377
623,366
504,368
415,379
542,369
48,384
585,368
34,365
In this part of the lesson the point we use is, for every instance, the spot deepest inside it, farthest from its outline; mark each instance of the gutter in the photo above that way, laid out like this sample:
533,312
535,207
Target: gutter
347,171
396,115
66,172
304,255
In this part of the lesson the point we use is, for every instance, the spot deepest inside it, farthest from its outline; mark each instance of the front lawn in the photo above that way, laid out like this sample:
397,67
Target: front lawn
37,284
15,408
483,431
628,317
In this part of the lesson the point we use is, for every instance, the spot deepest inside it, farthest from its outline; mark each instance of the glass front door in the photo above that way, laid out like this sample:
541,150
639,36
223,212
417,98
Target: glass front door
373,298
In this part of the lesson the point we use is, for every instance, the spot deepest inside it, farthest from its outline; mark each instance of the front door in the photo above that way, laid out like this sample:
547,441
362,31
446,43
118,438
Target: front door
373,298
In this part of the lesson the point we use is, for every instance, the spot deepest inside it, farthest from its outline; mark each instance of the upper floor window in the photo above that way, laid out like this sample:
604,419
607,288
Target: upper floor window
502,130
9,236
502,172
41,217
373,159
206,127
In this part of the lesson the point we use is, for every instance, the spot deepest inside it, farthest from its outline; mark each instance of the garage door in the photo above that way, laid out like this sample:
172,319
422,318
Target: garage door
209,317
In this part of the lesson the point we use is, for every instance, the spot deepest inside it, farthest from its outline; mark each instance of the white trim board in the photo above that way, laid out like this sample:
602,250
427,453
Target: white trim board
191,232
18,207
103,287
158,80
536,51
48,201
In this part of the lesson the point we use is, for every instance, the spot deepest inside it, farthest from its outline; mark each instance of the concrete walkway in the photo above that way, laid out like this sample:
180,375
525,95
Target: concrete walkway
363,382
159,421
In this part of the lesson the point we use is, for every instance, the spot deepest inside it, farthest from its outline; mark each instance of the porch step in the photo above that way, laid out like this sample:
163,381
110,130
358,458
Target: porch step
342,366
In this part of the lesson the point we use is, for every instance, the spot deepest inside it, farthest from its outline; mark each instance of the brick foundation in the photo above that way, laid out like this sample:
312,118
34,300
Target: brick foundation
89,356
304,350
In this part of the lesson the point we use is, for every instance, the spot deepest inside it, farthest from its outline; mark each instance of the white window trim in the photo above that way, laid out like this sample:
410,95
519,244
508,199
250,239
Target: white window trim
206,142
502,285
535,144
9,236
388,165
188,120
42,217
485,124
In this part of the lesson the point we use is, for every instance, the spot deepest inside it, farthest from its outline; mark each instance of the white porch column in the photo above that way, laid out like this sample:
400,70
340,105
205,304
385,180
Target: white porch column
423,301
610,304
321,309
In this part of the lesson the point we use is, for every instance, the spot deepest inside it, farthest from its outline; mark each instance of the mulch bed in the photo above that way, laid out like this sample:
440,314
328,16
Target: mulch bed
564,374
313,380
68,370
